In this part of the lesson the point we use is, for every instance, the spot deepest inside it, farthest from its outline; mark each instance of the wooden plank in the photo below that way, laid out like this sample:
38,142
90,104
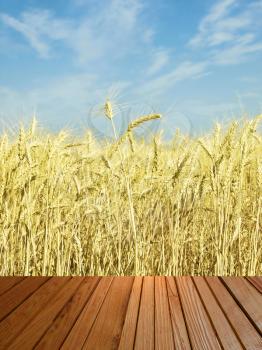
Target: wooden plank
202,335
256,282
248,297
141,313
106,331
31,334
13,324
240,323
78,334
129,329
62,325
163,327
223,328
15,296
180,334
145,334
7,283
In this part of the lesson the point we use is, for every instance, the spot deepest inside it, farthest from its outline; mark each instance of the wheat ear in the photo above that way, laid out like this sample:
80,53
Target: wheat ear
131,126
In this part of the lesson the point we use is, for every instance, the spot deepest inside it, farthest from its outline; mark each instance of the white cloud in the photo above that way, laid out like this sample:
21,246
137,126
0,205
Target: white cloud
40,28
110,25
229,33
111,33
184,71
159,60
206,27
219,10
238,52
109,30
122,13
114,29
29,33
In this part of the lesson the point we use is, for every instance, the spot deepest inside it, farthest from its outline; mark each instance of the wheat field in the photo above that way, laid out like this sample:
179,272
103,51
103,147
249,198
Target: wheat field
78,206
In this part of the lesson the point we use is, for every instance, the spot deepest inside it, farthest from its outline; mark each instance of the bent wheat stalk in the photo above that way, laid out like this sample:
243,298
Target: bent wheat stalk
128,134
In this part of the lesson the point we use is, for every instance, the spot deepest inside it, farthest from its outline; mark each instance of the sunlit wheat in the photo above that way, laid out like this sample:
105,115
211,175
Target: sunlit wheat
72,206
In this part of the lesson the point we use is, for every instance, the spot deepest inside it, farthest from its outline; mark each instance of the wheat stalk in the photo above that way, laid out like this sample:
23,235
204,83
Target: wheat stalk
63,212
132,126
155,159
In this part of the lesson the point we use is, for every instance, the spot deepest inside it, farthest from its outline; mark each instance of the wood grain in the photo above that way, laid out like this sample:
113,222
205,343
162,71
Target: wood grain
129,328
22,316
130,313
223,328
8,282
163,327
15,296
29,336
238,320
256,282
248,297
78,334
58,331
145,334
180,334
201,333
107,328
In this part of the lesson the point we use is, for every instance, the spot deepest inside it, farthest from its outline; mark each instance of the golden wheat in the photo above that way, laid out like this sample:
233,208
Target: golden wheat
188,206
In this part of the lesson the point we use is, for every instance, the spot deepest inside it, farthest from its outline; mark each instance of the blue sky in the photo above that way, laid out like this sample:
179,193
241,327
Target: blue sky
194,61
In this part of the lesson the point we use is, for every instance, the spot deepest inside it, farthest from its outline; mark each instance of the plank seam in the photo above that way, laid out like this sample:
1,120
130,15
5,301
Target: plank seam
58,314
7,290
142,286
241,306
173,336
86,339
207,313
253,284
32,318
183,312
126,311
137,312
221,307
23,301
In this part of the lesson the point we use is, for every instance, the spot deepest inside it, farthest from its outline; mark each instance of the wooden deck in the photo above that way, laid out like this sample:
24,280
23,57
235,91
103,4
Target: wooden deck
130,312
